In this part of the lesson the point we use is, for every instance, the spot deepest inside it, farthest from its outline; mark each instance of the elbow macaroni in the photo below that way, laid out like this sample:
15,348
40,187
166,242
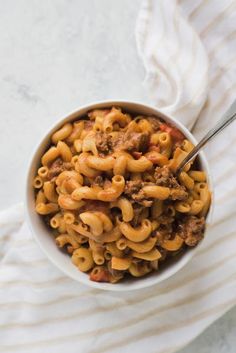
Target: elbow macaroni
106,186
126,208
136,234
138,166
113,192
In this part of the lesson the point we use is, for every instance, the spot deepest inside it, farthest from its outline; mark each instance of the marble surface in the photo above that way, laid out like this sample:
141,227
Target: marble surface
55,56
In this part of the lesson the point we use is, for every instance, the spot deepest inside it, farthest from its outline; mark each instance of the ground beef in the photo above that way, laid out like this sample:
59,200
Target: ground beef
94,205
104,143
122,141
191,229
155,122
137,212
133,191
98,181
164,177
57,167
163,252
164,232
138,197
115,273
133,187
179,193
178,144
165,219
131,141
135,142
88,124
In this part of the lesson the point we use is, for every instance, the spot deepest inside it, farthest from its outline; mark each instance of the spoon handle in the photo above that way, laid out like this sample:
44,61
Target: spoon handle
227,119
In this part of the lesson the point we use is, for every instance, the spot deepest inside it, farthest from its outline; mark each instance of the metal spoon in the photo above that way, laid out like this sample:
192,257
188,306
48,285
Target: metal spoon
227,119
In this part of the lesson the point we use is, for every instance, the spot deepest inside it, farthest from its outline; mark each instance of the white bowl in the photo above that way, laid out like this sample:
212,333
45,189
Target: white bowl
43,235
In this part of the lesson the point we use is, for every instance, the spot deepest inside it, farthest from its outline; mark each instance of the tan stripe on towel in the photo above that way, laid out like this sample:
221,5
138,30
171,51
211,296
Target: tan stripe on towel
197,9
135,300
226,196
226,174
147,333
221,16
221,103
215,158
121,343
60,300
227,38
219,241
43,284
33,263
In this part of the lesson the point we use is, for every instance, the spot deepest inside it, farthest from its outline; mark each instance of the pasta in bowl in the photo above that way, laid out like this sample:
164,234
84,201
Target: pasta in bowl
106,193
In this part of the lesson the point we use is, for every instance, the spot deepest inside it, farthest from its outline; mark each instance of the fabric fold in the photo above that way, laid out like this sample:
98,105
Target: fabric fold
174,58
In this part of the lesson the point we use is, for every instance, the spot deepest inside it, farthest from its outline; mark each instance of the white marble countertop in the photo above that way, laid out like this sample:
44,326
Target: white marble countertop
54,57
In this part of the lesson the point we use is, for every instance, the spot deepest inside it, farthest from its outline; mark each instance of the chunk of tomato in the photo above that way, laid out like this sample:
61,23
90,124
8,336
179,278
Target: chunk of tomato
99,275
173,131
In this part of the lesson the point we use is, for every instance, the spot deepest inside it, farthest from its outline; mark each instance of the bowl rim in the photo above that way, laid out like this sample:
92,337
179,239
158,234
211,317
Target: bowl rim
138,283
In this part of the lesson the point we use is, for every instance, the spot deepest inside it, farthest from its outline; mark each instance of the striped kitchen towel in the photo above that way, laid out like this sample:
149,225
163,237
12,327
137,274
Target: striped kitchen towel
187,48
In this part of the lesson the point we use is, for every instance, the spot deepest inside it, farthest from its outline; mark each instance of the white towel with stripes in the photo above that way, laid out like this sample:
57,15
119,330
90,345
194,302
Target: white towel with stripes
188,50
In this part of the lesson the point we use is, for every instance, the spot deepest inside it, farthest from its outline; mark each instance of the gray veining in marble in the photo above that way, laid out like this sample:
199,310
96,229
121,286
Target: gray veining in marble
55,56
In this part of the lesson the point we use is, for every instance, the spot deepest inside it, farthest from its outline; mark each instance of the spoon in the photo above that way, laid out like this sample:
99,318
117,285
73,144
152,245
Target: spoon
227,119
